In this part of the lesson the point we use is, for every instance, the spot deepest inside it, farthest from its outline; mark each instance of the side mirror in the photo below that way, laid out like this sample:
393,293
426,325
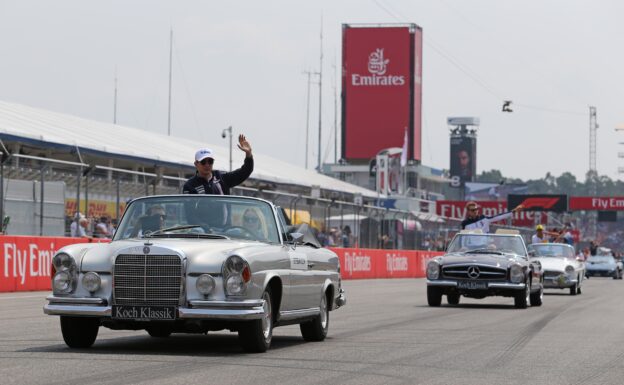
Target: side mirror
297,238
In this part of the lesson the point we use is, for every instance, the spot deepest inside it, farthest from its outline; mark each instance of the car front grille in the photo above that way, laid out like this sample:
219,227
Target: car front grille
549,274
147,280
489,273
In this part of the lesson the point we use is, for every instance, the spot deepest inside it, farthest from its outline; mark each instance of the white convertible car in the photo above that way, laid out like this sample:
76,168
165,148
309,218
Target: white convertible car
196,263
562,270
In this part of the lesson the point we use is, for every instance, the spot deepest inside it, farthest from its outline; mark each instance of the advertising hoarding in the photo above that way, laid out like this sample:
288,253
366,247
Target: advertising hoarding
381,89
596,203
539,202
457,210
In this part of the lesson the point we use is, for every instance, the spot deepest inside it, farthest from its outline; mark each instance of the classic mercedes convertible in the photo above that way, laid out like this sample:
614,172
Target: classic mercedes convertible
562,269
478,265
196,263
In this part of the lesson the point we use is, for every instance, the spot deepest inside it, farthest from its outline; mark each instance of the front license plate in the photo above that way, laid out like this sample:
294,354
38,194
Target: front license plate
472,285
144,313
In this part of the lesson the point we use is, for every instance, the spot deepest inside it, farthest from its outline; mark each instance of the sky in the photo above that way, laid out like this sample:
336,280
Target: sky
241,64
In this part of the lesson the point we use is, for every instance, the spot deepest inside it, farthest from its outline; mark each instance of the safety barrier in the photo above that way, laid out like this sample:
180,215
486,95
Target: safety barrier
376,263
26,261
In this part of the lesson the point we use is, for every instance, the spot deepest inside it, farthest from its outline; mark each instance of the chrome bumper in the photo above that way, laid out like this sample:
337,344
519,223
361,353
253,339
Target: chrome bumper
558,283
491,285
208,310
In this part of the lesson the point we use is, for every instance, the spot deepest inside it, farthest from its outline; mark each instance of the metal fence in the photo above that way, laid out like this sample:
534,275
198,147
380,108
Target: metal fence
94,190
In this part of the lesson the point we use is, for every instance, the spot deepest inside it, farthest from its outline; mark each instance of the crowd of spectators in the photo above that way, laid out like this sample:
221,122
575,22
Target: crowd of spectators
81,226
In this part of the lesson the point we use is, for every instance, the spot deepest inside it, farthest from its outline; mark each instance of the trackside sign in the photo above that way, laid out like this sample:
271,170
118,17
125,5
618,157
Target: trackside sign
596,203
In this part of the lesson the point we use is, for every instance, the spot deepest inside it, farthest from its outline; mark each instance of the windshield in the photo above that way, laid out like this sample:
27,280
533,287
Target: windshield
487,243
186,216
601,259
552,250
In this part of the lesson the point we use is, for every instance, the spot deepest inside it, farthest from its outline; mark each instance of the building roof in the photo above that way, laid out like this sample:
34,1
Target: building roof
51,129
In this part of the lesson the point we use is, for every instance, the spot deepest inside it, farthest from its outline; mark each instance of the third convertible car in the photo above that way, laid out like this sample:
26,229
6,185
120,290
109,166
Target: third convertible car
562,270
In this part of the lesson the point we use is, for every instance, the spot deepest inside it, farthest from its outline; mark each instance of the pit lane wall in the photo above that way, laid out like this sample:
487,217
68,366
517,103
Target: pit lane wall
25,262
376,263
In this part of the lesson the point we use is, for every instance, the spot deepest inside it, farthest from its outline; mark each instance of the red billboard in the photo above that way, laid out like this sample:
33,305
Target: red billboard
596,203
457,210
381,89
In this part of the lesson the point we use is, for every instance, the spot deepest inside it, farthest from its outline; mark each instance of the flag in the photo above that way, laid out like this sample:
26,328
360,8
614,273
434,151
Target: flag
404,152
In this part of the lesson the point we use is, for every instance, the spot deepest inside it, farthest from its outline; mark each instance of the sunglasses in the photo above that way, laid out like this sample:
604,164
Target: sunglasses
475,209
206,161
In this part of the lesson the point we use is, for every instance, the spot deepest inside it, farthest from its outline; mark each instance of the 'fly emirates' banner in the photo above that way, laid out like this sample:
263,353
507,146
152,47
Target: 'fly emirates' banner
457,210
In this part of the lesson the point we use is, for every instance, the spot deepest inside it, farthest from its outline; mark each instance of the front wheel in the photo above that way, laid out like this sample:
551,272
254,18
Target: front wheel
453,299
316,330
434,296
574,289
79,332
255,336
537,297
521,299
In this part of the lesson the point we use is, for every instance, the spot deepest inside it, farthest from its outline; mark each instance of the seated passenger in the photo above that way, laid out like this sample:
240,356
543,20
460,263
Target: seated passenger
251,222
154,220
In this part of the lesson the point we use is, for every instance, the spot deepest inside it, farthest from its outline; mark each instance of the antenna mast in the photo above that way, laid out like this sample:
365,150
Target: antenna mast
170,70
318,166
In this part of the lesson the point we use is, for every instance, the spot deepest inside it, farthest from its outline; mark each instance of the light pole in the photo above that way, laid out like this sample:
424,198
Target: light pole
228,130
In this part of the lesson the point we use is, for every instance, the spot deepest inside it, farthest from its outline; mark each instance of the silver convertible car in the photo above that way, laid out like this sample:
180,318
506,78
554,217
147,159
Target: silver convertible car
478,265
196,263
562,269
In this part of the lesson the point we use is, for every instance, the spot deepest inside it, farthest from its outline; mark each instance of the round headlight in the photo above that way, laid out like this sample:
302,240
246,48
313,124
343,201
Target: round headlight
569,269
433,270
62,282
516,274
205,284
235,264
92,282
62,261
234,284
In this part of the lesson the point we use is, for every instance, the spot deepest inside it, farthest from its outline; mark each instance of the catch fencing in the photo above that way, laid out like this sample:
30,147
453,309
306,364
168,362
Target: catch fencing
98,191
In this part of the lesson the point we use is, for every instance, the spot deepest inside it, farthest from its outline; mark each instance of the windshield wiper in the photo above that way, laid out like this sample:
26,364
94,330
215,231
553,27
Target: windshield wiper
483,251
174,228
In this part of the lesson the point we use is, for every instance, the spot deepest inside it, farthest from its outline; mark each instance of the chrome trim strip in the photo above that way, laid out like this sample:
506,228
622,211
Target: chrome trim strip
506,285
222,314
294,314
76,301
441,283
227,304
183,313
95,311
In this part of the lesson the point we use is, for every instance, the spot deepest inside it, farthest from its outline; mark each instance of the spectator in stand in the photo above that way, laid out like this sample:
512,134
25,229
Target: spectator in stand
101,229
585,254
82,229
346,236
75,225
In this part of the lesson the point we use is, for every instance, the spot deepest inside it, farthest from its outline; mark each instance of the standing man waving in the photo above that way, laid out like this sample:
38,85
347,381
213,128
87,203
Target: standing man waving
209,181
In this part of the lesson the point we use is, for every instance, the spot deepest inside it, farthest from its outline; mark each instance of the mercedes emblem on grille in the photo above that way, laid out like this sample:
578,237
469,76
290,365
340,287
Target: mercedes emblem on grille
146,250
473,272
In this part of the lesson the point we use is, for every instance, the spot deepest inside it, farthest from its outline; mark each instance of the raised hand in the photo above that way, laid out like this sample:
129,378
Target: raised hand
244,145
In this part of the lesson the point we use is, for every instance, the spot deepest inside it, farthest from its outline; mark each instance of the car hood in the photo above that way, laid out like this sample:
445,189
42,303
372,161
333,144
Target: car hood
207,253
483,259
553,264
600,265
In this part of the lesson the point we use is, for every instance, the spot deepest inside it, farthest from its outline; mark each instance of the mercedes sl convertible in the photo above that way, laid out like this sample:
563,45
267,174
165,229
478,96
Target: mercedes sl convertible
194,264
562,269
478,265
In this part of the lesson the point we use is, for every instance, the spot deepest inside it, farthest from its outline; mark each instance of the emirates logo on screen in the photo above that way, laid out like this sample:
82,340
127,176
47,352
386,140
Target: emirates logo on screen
376,62
377,66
